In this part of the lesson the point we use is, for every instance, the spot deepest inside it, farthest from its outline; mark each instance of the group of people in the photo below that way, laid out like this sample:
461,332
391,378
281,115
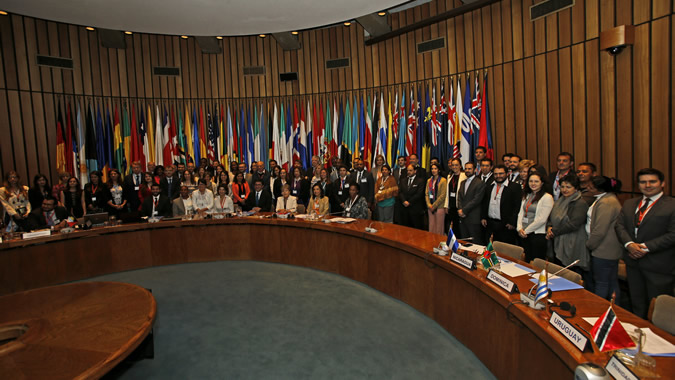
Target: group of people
570,215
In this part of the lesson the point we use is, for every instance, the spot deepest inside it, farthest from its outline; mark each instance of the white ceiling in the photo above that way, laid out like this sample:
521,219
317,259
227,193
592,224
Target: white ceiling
199,17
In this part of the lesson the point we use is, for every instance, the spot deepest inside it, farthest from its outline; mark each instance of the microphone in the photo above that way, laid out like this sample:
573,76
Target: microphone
370,229
562,269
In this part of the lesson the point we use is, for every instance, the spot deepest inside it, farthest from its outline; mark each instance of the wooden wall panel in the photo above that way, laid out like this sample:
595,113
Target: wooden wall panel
549,87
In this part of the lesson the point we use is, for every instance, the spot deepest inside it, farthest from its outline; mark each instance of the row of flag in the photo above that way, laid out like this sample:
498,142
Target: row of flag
101,135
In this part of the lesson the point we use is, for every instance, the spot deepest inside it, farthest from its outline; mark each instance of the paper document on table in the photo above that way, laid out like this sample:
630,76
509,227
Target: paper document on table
559,284
473,248
512,269
301,216
654,344
343,220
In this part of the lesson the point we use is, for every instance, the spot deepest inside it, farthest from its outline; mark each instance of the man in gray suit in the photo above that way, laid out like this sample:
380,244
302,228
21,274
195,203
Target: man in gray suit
646,228
470,196
183,204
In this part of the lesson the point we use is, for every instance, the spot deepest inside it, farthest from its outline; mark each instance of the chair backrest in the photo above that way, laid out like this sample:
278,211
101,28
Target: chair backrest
510,250
553,268
300,209
662,312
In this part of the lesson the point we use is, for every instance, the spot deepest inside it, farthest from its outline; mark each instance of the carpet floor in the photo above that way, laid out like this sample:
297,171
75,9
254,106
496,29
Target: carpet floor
254,320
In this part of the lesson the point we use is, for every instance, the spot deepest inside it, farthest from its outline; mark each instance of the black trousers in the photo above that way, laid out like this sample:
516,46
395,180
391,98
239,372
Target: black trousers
453,217
497,229
643,285
474,230
534,246
412,218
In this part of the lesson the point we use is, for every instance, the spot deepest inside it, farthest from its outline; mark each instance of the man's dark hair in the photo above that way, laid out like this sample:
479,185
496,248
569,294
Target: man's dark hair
650,171
488,160
568,154
480,147
500,166
590,165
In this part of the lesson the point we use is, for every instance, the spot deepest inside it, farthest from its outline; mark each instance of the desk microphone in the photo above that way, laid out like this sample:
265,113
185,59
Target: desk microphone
370,229
562,269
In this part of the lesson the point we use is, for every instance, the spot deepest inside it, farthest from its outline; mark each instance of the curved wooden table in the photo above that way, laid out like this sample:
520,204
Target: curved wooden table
73,331
395,260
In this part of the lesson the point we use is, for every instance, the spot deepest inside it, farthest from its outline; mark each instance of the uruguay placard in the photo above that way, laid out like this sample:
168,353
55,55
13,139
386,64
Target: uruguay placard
568,331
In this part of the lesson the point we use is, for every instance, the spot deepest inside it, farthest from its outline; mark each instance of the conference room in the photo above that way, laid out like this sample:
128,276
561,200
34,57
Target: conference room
384,189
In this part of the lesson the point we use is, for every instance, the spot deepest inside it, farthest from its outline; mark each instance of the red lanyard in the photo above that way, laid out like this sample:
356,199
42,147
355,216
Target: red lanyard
641,214
94,188
222,202
155,201
499,187
527,206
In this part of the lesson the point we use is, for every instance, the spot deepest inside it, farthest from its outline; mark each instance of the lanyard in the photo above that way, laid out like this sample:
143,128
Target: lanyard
222,202
499,187
155,202
94,188
556,186
527,206
641,214
49,217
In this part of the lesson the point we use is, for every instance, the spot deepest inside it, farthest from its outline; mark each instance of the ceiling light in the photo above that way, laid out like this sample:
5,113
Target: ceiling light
294,33
262,35
90,28
347,23
219,37
127,32
184,37
383,13
3,13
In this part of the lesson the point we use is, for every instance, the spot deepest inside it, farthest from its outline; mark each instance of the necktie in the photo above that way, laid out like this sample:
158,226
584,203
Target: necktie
358,177
410,181
169,187
641,213
257,198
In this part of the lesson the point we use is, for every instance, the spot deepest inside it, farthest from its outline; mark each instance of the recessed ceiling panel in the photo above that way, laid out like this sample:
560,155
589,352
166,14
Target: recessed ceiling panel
199,17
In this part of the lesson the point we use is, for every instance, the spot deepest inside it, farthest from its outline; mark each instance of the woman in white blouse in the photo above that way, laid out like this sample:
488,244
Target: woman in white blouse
286,202
223,202
534,211
202,199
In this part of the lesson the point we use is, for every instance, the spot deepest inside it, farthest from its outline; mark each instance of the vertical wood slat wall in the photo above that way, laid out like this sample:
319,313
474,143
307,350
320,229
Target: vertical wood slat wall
550,89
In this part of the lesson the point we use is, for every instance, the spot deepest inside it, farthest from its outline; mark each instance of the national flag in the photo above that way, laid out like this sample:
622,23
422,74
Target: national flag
457,123
489,258
70,168
289,137
203,142
173,138
370,143
609,334
90,145
60,143
150,136
542,287
118,145
143,138
402,128
100,141
136,152
465,147
410,128
391,131
159,138
230,139
442,118
426,132
485,138
189,143
346,135
82,147
475,119
108,147
210,137
195,136
167,150
452,242
394,132
419,126
126,141
309,125
335,128
381,143
302,138
180,136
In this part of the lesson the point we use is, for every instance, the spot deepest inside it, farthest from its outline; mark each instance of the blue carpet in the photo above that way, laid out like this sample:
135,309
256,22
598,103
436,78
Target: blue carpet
253,320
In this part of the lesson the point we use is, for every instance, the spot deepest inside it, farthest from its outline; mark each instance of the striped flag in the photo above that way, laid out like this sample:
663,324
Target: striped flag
82,146
465,145
475,119
410,127
542,287
452,242
608,333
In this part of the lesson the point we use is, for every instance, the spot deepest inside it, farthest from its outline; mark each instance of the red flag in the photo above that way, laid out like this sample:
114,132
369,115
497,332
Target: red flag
60,143
68,150
173,138
608,333
135,144
484,132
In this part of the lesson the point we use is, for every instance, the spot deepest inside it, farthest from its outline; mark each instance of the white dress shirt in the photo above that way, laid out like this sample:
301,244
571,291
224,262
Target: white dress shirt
201,201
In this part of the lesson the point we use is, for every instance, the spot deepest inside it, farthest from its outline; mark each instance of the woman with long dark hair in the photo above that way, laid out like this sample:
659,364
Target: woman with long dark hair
71,198
39,190
117,203
95,194
535,209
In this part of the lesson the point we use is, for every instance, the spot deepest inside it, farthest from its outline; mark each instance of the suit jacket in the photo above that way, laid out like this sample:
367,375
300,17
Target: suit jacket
163,206
291,204
175,187
265,177
178,208
601,241
509,204
413,194
657,232
449,191
324,206
399,173
469,199
130,192
489,181
335,197
367,185
36,218
265,201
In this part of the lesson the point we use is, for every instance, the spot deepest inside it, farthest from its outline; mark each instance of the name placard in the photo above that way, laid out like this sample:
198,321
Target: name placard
463,261
568,331
36,234
502,281
618,370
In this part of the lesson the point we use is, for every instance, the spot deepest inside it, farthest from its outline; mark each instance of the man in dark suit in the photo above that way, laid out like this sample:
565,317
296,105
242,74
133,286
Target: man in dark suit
646,228
157,205
419,171
260,199
132,183
170,184
262,175
400,170
565,163
500,206
340,191
411,196
469,198
486,172
365,180
48,215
